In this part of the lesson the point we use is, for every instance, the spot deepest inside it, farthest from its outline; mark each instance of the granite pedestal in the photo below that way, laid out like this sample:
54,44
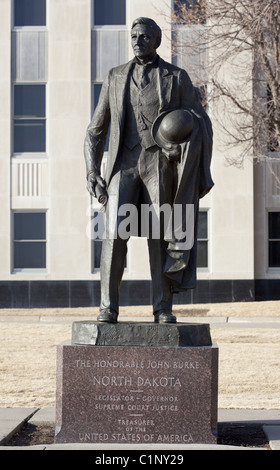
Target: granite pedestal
137,383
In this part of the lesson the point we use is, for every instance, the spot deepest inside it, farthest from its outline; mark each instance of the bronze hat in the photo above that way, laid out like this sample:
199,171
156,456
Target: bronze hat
172,127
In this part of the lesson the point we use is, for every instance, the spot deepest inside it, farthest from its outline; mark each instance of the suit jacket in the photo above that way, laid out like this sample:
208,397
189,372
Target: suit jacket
175,91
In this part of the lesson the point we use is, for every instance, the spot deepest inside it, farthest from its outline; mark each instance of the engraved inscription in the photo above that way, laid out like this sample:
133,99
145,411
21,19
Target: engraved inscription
138,364
121,381
135,437
141,402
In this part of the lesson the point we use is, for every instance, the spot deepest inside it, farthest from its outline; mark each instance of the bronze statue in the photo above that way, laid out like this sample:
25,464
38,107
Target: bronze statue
159,154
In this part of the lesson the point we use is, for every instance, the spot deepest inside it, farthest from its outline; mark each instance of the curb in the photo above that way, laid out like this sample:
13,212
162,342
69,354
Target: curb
257,322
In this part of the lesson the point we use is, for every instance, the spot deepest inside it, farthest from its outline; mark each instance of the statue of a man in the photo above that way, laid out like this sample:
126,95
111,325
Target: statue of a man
155,158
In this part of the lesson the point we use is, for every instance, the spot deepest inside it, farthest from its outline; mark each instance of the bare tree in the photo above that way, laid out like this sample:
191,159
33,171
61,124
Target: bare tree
239,43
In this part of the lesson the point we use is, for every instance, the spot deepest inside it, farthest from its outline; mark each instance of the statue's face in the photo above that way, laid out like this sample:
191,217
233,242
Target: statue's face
143,41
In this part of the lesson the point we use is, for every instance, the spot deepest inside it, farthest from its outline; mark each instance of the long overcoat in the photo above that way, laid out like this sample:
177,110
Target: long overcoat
194,178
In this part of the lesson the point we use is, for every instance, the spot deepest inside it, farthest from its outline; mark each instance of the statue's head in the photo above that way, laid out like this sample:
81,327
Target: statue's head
145,37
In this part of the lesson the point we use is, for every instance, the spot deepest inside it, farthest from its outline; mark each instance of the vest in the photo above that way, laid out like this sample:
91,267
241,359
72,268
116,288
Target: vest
141,110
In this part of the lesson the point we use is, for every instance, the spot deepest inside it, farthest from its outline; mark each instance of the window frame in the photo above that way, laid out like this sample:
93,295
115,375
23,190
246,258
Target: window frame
14,269
202,269
26,118
271,240
29,27
98,26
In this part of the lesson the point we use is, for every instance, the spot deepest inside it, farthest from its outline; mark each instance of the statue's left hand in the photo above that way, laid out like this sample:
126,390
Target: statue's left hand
172,152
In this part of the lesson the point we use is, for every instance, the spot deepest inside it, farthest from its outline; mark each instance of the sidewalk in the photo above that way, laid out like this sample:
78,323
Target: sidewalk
12,419
219,321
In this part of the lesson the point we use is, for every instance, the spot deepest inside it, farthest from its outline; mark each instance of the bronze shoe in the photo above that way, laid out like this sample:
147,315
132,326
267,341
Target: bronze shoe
163,317
108,316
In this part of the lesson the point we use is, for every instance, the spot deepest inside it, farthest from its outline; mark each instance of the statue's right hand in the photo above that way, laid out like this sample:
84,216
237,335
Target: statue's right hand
96,187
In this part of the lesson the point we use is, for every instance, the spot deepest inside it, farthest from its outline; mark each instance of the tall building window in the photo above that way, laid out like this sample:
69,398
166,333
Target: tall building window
272,141
109,42
29,12
109,12
274,239
29,118
202,240
29,240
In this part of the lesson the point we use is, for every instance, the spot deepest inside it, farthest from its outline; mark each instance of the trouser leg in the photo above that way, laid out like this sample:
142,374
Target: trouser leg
162,296
123,189
111,271
158,180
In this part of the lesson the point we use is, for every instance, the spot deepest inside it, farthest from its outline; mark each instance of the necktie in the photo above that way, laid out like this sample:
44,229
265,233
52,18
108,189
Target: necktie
143,79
